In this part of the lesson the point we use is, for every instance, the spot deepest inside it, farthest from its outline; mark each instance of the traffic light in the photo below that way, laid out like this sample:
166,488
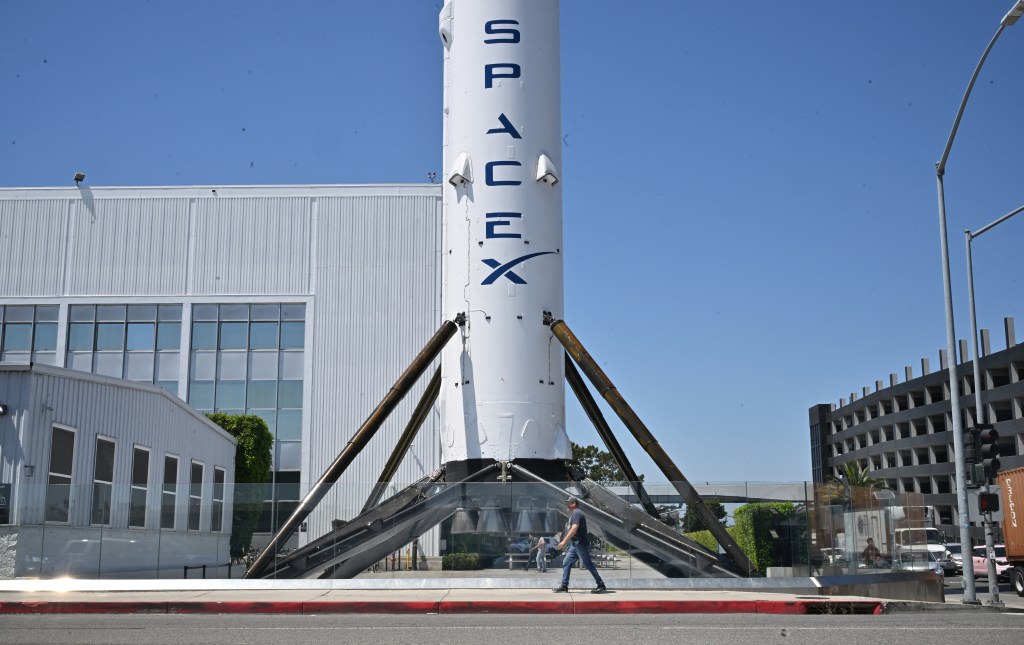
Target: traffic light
988,502
971,446
988,450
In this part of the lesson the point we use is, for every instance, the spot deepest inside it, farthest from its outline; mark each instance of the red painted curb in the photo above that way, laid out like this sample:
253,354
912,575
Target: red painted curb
233,607
369,607
567,606
44,607
513,607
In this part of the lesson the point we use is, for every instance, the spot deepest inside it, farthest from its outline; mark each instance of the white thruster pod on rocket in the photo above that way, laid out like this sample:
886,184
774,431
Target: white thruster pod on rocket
501,381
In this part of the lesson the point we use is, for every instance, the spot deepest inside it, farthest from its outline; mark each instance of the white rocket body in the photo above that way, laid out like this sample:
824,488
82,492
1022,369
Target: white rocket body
502,395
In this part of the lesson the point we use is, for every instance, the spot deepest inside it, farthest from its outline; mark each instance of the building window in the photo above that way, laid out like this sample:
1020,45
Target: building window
249,359
195,496
58,483
217,507
134,342
140,488
29,334
169,495
103,481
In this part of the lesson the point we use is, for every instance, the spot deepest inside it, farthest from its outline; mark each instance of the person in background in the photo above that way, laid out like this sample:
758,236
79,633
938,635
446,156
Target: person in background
541,547
871,553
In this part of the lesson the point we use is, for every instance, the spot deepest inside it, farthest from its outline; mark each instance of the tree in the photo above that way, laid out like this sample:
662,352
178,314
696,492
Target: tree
252,468
596,464
851,477
692,522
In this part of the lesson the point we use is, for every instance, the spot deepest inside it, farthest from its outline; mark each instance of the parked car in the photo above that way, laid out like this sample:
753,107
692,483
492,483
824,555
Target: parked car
919,560
1003,568
956,556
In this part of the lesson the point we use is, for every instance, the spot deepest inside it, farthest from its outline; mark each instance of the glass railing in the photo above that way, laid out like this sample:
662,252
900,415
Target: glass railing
481,529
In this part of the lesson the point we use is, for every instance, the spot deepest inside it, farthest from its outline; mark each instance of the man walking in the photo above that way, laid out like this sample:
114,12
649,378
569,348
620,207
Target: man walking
578,539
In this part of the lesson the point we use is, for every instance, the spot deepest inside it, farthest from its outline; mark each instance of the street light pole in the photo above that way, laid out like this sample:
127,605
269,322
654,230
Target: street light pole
979,410
970,595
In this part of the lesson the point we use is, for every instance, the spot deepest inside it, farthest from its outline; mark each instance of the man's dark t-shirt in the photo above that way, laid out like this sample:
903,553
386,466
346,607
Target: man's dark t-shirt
581,537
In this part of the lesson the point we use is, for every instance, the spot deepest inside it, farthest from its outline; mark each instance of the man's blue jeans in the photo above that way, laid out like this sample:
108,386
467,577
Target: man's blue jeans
542,562
579,552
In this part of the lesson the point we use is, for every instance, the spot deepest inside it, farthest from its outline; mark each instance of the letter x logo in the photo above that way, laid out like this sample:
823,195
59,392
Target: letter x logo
506,269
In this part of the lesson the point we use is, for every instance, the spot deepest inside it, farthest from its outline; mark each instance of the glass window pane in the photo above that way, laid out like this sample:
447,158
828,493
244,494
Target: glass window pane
232,366
104,460
139,367
137,508
15,357
110,336
170,473
47,313
204,335
268,416
293,335
14,313
110,313
81,361
17,338
58,499
200,395
80,337
44,358
293,312
288,455
169,313
233,335
204,366
291,366
234,312
290,393
265,312
204,312
62,451
141,336
83,313
168,335
46,337
170,386
230,395
263,335
262,394
263,366
109,364
141,313
196,480
167,367
140,467
289,425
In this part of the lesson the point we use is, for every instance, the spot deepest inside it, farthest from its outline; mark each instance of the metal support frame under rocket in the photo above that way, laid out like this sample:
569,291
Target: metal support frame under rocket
503,389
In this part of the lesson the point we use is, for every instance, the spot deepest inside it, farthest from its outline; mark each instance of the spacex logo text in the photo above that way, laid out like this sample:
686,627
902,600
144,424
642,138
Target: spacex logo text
503,174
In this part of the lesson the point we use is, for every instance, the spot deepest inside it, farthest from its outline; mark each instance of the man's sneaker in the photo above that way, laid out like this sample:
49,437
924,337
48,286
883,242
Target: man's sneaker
599,588
561,589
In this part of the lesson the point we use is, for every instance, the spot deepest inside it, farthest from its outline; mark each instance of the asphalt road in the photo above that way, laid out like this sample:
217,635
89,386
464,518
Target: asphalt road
953,625
955,593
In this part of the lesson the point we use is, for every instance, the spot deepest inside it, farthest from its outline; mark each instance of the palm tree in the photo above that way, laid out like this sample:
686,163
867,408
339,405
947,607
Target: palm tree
851,477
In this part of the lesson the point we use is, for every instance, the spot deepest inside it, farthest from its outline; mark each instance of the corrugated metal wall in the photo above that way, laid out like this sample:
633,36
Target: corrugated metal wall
377,303
254,245
32,234
127,246
130,414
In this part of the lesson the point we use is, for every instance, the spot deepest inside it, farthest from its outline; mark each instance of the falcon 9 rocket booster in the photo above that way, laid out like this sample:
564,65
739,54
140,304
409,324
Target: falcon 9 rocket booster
502,395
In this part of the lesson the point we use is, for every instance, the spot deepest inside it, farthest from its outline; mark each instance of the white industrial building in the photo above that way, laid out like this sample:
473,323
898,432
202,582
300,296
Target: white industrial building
106,477
301,304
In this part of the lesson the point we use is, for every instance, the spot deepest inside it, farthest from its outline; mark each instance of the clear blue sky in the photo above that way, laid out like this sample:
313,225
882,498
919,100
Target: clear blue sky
750,203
